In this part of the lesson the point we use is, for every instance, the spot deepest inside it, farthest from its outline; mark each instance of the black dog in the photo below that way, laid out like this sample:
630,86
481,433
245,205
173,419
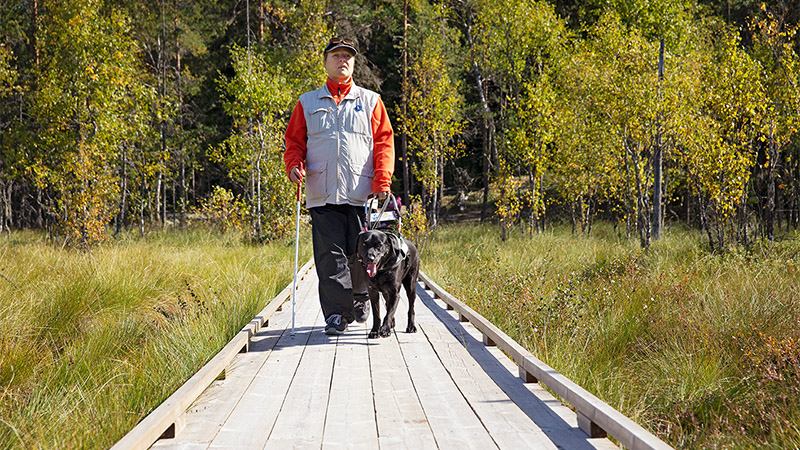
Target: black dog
388,261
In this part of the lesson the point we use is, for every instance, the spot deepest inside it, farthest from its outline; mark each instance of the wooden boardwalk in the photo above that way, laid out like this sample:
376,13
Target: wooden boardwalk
438,388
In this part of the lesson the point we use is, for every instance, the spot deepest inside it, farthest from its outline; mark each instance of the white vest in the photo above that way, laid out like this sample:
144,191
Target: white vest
339,168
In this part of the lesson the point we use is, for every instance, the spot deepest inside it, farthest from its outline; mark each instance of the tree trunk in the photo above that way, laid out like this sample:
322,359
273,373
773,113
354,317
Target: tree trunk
533,216
145,195
641,203
770,208
35,25
123,194
573,206
260,20
404,135
3,207
164,200
441,187
489,148
742,214
657,156
157,208
39,209
261,153
161,191
181,148
704,225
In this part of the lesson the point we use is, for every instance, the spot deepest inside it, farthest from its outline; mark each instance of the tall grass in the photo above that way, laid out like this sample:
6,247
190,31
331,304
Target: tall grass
703,349
92,341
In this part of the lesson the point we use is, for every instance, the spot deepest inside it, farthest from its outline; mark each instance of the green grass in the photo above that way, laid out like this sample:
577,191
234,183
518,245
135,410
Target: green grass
702,349
90,341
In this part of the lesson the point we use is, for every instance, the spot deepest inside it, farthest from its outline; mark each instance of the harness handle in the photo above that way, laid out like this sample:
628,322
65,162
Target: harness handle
369,224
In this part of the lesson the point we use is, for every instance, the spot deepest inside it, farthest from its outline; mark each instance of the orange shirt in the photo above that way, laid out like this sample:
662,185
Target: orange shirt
382,136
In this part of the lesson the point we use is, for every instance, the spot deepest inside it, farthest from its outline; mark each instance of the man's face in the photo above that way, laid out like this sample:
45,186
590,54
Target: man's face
339,64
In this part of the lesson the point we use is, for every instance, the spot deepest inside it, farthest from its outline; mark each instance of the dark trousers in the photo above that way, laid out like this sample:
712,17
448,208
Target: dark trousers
334,229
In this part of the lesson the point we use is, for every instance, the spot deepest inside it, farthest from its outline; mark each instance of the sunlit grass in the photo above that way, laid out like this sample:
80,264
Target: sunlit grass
90,341
703,349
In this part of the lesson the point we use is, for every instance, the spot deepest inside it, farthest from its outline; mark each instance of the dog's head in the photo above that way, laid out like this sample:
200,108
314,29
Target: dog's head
372,248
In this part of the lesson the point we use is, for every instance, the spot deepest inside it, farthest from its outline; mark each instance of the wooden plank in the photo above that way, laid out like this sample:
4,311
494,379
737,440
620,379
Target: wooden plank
401,421
556,421
251,421
505,421
350,422
208,414
626,431
452,420
300,423
165,415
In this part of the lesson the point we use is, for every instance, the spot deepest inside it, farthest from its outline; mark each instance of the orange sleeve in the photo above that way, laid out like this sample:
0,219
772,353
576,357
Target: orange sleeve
383,150
296,137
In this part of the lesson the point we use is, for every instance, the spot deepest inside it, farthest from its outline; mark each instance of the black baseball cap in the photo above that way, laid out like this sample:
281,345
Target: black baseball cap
337,42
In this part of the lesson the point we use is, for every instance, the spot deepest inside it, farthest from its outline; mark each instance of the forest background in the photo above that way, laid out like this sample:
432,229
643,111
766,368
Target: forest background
144,114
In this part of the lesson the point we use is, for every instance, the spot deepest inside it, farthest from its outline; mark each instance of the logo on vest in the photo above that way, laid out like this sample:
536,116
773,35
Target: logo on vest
358,107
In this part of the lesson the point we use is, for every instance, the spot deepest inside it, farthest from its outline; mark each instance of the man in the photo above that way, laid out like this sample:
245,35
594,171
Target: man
340,138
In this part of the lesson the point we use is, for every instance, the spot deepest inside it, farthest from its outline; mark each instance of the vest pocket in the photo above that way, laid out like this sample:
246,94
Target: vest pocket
316,182
357,122
359,183
319,121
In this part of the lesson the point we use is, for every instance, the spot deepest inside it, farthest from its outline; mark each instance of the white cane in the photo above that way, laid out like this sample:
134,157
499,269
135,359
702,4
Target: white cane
296,249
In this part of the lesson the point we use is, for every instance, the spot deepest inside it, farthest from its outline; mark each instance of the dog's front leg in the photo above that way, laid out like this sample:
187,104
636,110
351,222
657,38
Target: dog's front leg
391,307
375,300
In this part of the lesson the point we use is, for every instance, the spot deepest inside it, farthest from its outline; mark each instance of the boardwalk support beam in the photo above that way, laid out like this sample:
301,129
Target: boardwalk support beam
526,376
174,428
589,427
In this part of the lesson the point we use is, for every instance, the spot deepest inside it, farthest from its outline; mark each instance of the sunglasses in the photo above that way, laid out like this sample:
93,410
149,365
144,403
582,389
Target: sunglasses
339,41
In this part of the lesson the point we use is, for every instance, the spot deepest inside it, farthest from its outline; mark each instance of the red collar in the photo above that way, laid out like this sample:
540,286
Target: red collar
339,90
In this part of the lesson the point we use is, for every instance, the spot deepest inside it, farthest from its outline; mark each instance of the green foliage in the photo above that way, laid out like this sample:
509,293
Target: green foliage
716,142
434,105
509,204
415,223
258,99
224,211
667,19
8,74
519,43
87,104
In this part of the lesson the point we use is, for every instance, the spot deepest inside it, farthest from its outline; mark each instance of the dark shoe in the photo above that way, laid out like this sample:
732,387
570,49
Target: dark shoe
361,310
335,325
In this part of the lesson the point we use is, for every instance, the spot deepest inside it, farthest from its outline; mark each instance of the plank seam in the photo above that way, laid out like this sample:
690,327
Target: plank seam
416,393
374,404
330,388
455,383
291,382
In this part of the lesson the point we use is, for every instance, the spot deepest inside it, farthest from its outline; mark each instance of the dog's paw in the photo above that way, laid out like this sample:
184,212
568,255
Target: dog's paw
411,328
385,331
373,335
